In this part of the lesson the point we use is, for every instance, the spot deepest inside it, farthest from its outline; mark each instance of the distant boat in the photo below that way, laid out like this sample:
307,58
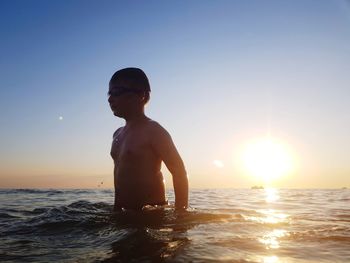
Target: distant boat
344,188
257,187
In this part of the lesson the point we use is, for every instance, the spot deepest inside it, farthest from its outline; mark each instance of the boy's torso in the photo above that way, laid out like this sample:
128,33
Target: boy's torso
138,180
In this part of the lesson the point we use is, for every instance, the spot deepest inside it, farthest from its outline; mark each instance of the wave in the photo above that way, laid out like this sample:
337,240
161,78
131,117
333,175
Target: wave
83,215
53,191
6,216
320,236
31,191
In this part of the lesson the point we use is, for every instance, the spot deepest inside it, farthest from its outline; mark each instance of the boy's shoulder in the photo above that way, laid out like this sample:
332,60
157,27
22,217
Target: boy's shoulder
155,127
151,128
154,124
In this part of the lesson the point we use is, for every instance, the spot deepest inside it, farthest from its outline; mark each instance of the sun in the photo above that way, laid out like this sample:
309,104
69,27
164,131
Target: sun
267,159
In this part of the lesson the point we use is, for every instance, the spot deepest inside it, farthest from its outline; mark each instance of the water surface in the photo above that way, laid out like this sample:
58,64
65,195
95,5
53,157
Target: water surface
223,225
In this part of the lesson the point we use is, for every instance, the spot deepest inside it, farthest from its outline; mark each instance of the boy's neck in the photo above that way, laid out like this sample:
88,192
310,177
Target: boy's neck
135,117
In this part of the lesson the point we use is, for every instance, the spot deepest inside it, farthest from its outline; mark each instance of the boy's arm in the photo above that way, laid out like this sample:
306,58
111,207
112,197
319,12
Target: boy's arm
164,146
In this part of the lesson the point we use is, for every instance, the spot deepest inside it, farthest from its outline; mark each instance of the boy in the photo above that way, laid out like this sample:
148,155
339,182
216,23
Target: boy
140,146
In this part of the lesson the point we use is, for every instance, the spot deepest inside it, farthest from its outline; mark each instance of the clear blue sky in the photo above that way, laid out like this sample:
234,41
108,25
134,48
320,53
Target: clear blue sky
221,72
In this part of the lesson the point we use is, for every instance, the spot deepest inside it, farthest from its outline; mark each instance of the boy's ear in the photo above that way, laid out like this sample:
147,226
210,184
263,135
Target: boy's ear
143,97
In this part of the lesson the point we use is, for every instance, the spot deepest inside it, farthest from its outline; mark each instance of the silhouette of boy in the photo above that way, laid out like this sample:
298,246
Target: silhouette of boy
139,147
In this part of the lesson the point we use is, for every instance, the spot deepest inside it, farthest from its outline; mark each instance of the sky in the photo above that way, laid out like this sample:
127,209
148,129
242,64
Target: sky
222,74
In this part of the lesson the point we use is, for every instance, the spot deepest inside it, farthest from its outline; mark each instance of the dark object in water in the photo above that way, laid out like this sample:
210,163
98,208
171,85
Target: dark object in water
257,187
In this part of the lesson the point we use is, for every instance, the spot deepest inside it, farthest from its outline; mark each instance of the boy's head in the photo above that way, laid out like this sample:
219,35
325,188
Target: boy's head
132,78
128,88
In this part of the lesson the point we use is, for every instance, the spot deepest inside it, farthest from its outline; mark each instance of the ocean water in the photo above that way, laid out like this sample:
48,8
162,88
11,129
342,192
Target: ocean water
230,225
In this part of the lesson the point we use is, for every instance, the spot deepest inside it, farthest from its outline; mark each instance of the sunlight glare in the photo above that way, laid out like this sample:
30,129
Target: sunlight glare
267,159
218,163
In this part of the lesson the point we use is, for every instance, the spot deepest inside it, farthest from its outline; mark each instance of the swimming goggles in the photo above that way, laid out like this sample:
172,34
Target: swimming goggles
118,91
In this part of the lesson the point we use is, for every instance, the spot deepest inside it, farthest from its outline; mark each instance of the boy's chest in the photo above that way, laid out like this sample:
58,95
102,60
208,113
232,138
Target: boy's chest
129,146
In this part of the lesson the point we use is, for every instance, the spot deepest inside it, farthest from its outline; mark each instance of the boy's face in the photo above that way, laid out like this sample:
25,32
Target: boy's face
122,98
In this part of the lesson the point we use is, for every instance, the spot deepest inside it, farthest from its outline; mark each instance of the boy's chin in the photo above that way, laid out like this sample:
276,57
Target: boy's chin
117,114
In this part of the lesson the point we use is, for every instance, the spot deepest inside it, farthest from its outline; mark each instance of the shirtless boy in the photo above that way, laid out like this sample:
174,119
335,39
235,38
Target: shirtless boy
139,147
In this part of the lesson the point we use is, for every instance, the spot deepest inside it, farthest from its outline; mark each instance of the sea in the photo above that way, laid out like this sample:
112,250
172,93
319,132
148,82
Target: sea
221,225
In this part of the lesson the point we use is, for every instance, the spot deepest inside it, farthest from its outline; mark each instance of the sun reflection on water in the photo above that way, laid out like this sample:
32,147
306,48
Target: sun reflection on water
269,216
273,216
271,195
271,239
270,259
